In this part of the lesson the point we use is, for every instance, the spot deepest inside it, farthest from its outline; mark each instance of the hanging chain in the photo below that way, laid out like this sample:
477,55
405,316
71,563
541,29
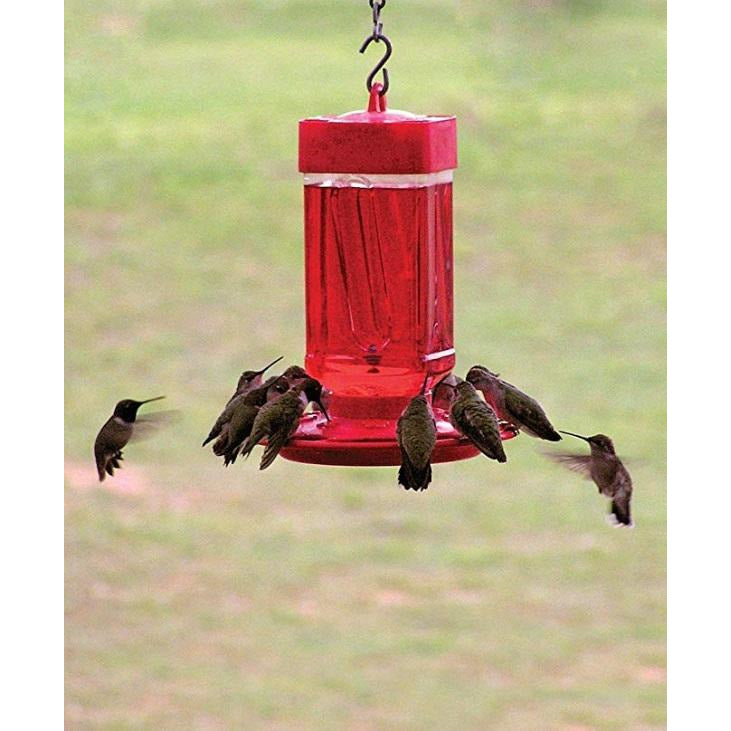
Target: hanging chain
377,23
377,36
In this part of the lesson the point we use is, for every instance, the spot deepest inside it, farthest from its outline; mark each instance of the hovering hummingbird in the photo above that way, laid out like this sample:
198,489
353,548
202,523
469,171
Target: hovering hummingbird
115,434
278,420
606,470
416,433
512,405
476,420
242,418
248,381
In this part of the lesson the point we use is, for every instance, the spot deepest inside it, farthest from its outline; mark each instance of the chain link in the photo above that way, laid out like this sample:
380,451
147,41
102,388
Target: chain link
377,36
377,6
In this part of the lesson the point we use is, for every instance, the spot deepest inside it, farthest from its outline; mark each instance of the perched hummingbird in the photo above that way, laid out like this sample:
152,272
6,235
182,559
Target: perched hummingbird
278,420
416,433
442,394
512,405
115,434
606,470
242,418
476,420
248,381
295,373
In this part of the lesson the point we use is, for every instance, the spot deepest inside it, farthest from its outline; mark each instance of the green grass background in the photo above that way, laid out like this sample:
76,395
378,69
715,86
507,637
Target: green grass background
314,597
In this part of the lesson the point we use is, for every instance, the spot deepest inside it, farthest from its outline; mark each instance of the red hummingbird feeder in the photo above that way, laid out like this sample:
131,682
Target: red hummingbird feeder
378,274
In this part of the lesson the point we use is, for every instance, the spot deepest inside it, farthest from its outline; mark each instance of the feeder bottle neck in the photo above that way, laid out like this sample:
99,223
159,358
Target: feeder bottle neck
376,100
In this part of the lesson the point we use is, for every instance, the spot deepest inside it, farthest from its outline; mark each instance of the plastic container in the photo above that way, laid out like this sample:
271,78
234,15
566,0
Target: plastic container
379,278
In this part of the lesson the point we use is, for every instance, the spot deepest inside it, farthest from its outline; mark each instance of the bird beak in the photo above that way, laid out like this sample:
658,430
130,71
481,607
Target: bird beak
571,434
147,401
266,368
423,385
322,408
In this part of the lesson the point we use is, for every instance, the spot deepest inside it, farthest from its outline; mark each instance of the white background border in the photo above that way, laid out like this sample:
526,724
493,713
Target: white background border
699,357
31,293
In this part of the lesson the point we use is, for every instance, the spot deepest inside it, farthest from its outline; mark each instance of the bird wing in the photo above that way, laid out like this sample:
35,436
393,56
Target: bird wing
283,424
275,442
528,412
399,428
479,424
225,417
522,406
146,426
580,463
261,428
406,471
221,444
217,428
235,433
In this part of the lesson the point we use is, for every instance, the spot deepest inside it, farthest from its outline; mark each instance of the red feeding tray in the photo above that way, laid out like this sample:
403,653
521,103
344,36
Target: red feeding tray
378,278
368,442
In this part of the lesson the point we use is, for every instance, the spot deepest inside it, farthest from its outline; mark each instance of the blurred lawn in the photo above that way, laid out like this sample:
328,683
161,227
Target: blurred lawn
308,597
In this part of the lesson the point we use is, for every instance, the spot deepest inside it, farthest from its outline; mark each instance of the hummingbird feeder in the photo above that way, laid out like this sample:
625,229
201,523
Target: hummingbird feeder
378,274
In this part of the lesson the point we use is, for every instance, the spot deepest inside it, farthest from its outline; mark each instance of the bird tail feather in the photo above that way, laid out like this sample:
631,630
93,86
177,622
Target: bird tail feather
497,452
247,448
621,513
413,479
220,445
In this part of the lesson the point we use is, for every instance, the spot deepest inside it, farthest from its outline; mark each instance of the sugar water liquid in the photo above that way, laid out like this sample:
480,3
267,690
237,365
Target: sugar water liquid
378,265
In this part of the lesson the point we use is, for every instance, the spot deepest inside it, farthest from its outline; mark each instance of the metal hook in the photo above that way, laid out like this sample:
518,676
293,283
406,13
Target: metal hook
381,64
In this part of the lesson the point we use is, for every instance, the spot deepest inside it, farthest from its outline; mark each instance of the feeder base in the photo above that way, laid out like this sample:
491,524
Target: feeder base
369,442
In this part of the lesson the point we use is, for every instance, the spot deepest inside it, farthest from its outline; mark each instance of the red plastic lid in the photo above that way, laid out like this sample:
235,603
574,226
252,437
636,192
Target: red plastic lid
377,141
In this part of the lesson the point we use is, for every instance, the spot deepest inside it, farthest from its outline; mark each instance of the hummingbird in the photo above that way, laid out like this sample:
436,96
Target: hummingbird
248,381
416,432
512,405
295,373
606,470
278,420
242,418
476,420
114,435
442,394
